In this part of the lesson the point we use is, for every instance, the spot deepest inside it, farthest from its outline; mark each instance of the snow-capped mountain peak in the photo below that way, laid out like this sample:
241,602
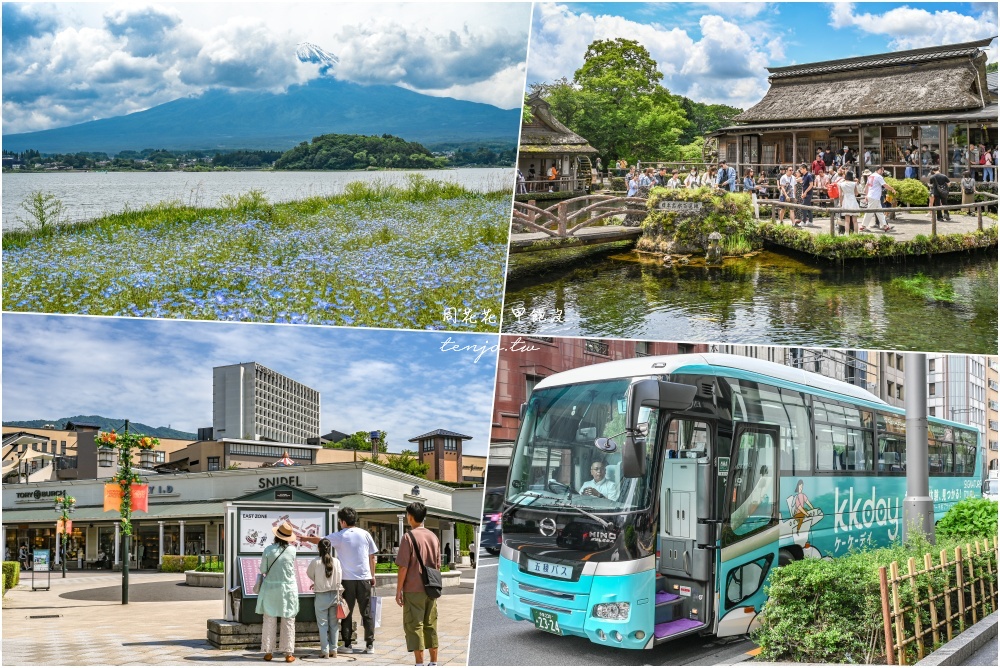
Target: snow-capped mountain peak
310,53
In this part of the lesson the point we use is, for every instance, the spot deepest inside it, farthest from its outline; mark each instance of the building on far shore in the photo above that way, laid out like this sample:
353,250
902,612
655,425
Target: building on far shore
935,101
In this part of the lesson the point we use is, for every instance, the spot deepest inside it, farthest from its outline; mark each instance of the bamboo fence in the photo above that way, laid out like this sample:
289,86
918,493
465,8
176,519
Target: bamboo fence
924,607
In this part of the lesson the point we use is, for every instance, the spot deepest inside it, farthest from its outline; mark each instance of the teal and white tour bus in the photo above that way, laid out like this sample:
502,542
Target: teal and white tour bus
650,498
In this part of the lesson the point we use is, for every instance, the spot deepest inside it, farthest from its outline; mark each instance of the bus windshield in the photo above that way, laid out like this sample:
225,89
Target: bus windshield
556,462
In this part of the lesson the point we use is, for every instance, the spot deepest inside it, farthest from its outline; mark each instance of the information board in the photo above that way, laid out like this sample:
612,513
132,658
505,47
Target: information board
40,560
250,567
256,528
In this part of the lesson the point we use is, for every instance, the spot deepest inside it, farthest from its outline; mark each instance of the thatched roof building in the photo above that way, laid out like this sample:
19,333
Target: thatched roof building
933,101
544,142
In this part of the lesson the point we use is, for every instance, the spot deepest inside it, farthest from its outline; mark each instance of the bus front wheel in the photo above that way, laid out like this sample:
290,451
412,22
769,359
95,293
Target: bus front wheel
785,557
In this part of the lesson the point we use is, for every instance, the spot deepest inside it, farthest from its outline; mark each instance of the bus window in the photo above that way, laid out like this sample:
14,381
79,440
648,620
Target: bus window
760,403
891,454
687,435
753,483
743,582
843,449
940,458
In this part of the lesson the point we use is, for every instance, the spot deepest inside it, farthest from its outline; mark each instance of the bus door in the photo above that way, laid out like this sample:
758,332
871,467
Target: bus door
685,578
750,529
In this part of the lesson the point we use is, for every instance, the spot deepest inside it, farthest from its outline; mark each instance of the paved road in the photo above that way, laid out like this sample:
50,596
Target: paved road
499,641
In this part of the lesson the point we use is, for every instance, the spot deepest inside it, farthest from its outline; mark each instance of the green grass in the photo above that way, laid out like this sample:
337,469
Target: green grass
931,289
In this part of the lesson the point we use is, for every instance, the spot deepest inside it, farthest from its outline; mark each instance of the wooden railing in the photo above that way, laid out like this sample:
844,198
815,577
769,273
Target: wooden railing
592,208
776,205
953,593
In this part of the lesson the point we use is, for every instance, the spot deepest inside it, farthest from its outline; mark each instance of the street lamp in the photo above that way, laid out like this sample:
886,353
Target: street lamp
128,485
64,506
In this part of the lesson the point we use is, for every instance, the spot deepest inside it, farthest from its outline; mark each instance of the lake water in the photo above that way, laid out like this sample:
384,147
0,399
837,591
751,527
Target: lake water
88,195
767,299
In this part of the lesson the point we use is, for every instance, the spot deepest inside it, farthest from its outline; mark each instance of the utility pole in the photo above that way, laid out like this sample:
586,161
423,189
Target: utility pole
918,508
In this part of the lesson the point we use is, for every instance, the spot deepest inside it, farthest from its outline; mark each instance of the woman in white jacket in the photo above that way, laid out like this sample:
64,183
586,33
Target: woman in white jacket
326,574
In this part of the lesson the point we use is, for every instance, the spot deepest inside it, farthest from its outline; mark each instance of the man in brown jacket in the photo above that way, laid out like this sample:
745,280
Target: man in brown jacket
419,611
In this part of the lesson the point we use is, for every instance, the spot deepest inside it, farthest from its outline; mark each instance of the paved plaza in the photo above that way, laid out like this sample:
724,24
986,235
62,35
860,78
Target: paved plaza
907,226
81,621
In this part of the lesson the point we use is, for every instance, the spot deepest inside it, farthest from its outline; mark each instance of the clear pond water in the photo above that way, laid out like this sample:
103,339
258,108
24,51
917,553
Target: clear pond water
769,298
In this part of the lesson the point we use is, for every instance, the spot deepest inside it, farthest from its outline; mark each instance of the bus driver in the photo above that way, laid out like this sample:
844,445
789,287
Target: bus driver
600,485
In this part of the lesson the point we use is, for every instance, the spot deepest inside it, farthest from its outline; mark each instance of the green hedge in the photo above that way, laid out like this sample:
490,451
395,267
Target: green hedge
174,563
11,574
830,611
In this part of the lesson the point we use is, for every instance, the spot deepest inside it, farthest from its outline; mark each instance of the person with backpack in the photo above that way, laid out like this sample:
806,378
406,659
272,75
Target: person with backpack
987,165
968,191
938,183
419,553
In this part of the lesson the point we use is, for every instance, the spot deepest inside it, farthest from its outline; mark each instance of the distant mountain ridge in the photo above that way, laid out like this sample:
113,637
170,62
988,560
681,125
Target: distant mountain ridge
222,119
106,424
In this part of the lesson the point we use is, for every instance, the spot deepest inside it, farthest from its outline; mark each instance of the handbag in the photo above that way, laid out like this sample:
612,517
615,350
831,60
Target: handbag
431,577
342,609
259,582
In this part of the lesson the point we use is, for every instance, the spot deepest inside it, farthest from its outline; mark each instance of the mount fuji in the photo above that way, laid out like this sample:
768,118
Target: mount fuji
227,119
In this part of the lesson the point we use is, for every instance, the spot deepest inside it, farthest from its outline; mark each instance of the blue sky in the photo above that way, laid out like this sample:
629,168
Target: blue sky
718,52
159,372
70,62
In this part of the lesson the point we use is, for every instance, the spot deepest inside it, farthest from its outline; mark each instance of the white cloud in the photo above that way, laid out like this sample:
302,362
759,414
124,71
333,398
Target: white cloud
73,62
913,27
725,65
159,372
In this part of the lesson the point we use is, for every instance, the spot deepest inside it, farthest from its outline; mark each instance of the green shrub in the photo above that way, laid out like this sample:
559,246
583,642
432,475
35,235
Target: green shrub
211,567
618,183
912,192
970,519
829,611
174,563
730,214
11,574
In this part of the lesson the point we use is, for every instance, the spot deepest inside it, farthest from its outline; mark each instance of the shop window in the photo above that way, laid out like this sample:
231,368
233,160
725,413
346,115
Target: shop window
213,463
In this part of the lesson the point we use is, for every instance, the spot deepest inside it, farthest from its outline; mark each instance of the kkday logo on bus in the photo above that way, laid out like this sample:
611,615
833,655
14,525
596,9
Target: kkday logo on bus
861,513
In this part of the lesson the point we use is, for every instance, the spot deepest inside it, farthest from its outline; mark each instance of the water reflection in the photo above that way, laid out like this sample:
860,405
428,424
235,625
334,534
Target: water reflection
768,299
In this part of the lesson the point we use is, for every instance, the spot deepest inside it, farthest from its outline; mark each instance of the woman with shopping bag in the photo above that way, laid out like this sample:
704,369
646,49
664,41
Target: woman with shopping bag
278,593
326,575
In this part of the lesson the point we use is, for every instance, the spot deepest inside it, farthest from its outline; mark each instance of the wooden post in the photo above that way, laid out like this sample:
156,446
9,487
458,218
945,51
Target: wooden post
561,213
918,630
982,584
979,216
897,613
890,654
960,584
935,634
947,592
774,212
989,568
972,584
833,224
933,223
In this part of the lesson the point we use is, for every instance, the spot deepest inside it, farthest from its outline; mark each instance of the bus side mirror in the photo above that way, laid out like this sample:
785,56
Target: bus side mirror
654,394
523,411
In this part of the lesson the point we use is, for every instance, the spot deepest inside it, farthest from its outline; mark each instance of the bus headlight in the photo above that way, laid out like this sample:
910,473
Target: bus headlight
503,588
617,611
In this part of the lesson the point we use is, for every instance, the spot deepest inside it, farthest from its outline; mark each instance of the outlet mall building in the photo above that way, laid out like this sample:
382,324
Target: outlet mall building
186,510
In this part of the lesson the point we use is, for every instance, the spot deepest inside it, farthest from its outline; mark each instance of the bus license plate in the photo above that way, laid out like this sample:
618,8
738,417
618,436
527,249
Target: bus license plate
546,621
563,571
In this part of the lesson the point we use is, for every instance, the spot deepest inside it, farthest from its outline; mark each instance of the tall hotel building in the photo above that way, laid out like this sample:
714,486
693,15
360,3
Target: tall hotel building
253,402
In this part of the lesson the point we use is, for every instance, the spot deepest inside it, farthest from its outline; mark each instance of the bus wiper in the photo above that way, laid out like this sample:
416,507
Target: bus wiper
604,523
534,496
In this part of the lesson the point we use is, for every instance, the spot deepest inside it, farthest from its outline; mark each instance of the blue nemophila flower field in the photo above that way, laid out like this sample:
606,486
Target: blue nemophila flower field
377,256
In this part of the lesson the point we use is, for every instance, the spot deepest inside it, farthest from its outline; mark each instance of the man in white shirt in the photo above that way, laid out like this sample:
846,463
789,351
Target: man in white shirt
874,186
356,551
600,486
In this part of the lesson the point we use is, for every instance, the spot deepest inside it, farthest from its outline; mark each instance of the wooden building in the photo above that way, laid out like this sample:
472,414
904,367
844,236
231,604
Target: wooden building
934,101
546,142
